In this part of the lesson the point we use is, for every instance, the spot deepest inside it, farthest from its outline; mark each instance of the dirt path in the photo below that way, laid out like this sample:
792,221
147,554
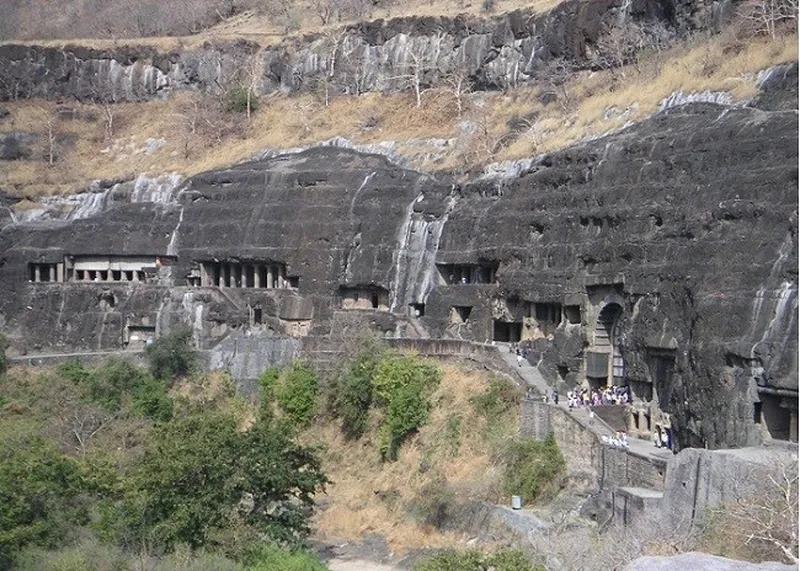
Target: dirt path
357,565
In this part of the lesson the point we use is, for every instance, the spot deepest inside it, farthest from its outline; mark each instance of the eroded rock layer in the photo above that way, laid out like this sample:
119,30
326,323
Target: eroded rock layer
663,257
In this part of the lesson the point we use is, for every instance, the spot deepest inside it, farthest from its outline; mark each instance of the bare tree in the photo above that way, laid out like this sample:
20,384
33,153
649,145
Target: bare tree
423,58
50,124
763,17
458,83
766,510
555,76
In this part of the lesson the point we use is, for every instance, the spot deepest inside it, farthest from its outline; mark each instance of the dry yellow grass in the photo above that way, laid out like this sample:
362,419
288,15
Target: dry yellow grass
718,64
369,496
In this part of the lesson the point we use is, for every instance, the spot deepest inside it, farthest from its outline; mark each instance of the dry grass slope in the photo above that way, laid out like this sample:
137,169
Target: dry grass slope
368,496
494,126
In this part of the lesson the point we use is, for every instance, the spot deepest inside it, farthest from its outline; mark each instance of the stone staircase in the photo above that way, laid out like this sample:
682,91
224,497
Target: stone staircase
529,373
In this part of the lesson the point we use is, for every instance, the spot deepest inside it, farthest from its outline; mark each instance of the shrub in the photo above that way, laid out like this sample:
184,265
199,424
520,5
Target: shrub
274,558
434,504
351,390
403,384
172,356
296,394
473,560
238,98
533,469
112,383
499,397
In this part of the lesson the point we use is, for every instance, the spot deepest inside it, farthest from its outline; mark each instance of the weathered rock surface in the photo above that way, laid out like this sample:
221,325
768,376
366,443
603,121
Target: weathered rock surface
694,561
686,222
15,146
496,52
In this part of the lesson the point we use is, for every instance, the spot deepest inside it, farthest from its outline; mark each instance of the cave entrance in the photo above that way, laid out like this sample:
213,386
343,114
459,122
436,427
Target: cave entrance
607,341
507,331
779,415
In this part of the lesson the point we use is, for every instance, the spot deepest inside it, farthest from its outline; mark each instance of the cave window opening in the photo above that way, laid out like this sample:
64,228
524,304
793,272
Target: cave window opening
257,315
757,412
460,313
375,301
507,331
776,414
417,309
573,314
294,283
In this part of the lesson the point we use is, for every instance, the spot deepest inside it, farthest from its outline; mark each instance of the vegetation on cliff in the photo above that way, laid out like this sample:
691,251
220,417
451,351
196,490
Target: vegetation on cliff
109,460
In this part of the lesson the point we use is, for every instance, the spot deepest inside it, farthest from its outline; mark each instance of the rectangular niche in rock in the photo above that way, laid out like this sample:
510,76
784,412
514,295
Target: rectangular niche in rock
246,274
45,273
507,331
573,314
113,269
482,273
366,297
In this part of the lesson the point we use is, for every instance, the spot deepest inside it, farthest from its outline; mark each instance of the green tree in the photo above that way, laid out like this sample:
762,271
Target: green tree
296,393
200,473
41,499
173,355
402,384
351,392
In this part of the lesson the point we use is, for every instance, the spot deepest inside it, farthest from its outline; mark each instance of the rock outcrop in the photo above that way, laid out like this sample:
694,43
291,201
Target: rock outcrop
663,256
693,561
493,53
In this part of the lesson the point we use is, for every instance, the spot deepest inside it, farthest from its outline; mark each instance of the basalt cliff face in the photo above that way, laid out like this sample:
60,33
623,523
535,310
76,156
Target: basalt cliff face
663,256
492,53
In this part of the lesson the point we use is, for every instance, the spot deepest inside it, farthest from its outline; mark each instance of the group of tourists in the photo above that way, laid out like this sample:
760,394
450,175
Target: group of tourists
619,440
662,438
610,395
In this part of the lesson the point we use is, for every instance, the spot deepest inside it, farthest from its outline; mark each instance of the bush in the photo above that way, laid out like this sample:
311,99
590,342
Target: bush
351,390
236,100
472,560
296,393
402,384
173,355
274,558
499,397
111,384
533,469
434,504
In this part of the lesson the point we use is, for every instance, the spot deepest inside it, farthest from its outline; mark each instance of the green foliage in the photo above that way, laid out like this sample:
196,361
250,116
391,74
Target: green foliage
236,99
352,388
118,383
196,471
402,384
473,560
89,555
499,397
40,491
296,393
172,356
533,469
274,558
